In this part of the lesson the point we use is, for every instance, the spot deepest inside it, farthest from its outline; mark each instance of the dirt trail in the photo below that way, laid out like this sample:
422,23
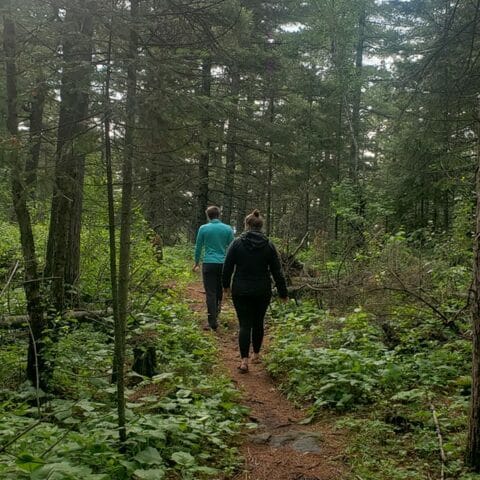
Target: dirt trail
280,448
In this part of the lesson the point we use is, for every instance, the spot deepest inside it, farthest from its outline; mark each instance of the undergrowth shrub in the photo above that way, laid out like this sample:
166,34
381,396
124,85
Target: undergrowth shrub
181,424
351,369
385,365
13,302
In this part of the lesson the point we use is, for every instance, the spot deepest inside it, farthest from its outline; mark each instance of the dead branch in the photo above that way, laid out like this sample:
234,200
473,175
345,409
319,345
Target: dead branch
299,246
448,322
3,448
443,457
10,278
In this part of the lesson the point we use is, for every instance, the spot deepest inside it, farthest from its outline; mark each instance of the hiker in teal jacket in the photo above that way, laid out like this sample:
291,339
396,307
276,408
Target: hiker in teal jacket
213,240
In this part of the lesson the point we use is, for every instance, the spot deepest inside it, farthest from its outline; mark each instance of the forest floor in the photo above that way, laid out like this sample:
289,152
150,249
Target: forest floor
280,448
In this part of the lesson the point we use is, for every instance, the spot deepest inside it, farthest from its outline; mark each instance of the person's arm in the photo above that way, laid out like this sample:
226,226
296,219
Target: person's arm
277,273
198,248
228,266
231,236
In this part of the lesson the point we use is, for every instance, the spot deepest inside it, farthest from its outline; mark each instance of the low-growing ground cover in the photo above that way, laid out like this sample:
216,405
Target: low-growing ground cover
386,392
182,423
389,373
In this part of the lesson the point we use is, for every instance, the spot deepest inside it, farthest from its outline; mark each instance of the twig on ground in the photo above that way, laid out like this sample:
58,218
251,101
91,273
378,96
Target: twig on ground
443,457
315,465
20,435
60,440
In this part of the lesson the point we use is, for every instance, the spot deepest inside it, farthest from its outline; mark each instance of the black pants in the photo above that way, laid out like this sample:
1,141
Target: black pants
212,282
251,313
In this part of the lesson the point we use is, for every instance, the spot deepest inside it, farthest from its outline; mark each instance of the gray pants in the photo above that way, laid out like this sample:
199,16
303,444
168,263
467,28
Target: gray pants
212,282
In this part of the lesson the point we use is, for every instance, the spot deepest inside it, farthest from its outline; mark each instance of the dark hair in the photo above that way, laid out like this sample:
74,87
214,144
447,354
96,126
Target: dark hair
254,221
213,212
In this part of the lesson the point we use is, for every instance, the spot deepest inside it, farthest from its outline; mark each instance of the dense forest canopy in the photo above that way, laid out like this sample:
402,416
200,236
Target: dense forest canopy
353,126
247,104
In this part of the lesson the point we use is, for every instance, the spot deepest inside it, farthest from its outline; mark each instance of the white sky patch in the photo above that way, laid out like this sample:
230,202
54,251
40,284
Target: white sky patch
218,71
292,27
377,60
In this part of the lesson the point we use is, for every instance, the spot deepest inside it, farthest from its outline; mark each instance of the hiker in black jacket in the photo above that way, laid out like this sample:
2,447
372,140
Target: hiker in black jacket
254,260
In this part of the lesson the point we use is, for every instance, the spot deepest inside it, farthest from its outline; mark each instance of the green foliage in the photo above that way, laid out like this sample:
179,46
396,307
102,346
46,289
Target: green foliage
74,376
346,202
13,358
408,348
182,423
399,440
13,300
350,364
350,370
9,247
149,278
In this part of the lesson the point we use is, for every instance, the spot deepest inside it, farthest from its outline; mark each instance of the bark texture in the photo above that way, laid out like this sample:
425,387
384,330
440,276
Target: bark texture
126,220
204,159
230,165
63,248
473,442
35,133
35,360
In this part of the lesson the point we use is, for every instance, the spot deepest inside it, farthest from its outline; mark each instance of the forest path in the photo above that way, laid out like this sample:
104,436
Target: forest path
280,448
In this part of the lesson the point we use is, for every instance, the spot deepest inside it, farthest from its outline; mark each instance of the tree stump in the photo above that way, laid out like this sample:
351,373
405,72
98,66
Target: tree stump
144,354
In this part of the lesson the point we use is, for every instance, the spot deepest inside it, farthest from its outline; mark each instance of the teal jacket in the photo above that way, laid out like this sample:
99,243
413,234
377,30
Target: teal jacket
214,237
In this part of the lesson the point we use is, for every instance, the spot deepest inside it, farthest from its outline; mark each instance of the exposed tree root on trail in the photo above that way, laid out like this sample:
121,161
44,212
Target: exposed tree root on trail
280,448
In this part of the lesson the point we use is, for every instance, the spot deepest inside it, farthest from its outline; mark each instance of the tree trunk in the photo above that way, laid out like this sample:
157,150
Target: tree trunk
126,220
154,211
357,97
242,193
271,109
109,172
72,266
308,166
35,134
338,162
473,443
63,260
230,165
204,161
355,128
35,360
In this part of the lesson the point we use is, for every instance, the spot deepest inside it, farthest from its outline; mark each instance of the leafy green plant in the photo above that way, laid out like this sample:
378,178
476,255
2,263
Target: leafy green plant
182,423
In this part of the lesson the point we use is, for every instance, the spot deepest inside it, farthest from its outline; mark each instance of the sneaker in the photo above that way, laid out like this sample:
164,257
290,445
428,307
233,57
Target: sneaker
243,368
207,328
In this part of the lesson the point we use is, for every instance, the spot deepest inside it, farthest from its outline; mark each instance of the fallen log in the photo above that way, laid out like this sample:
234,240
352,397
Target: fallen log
21,321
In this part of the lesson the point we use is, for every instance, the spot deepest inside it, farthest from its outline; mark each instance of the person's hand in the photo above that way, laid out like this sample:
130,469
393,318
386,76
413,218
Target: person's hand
196,268
226,292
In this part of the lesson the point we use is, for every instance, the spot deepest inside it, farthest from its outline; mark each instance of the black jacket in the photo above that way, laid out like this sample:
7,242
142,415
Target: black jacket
254,258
